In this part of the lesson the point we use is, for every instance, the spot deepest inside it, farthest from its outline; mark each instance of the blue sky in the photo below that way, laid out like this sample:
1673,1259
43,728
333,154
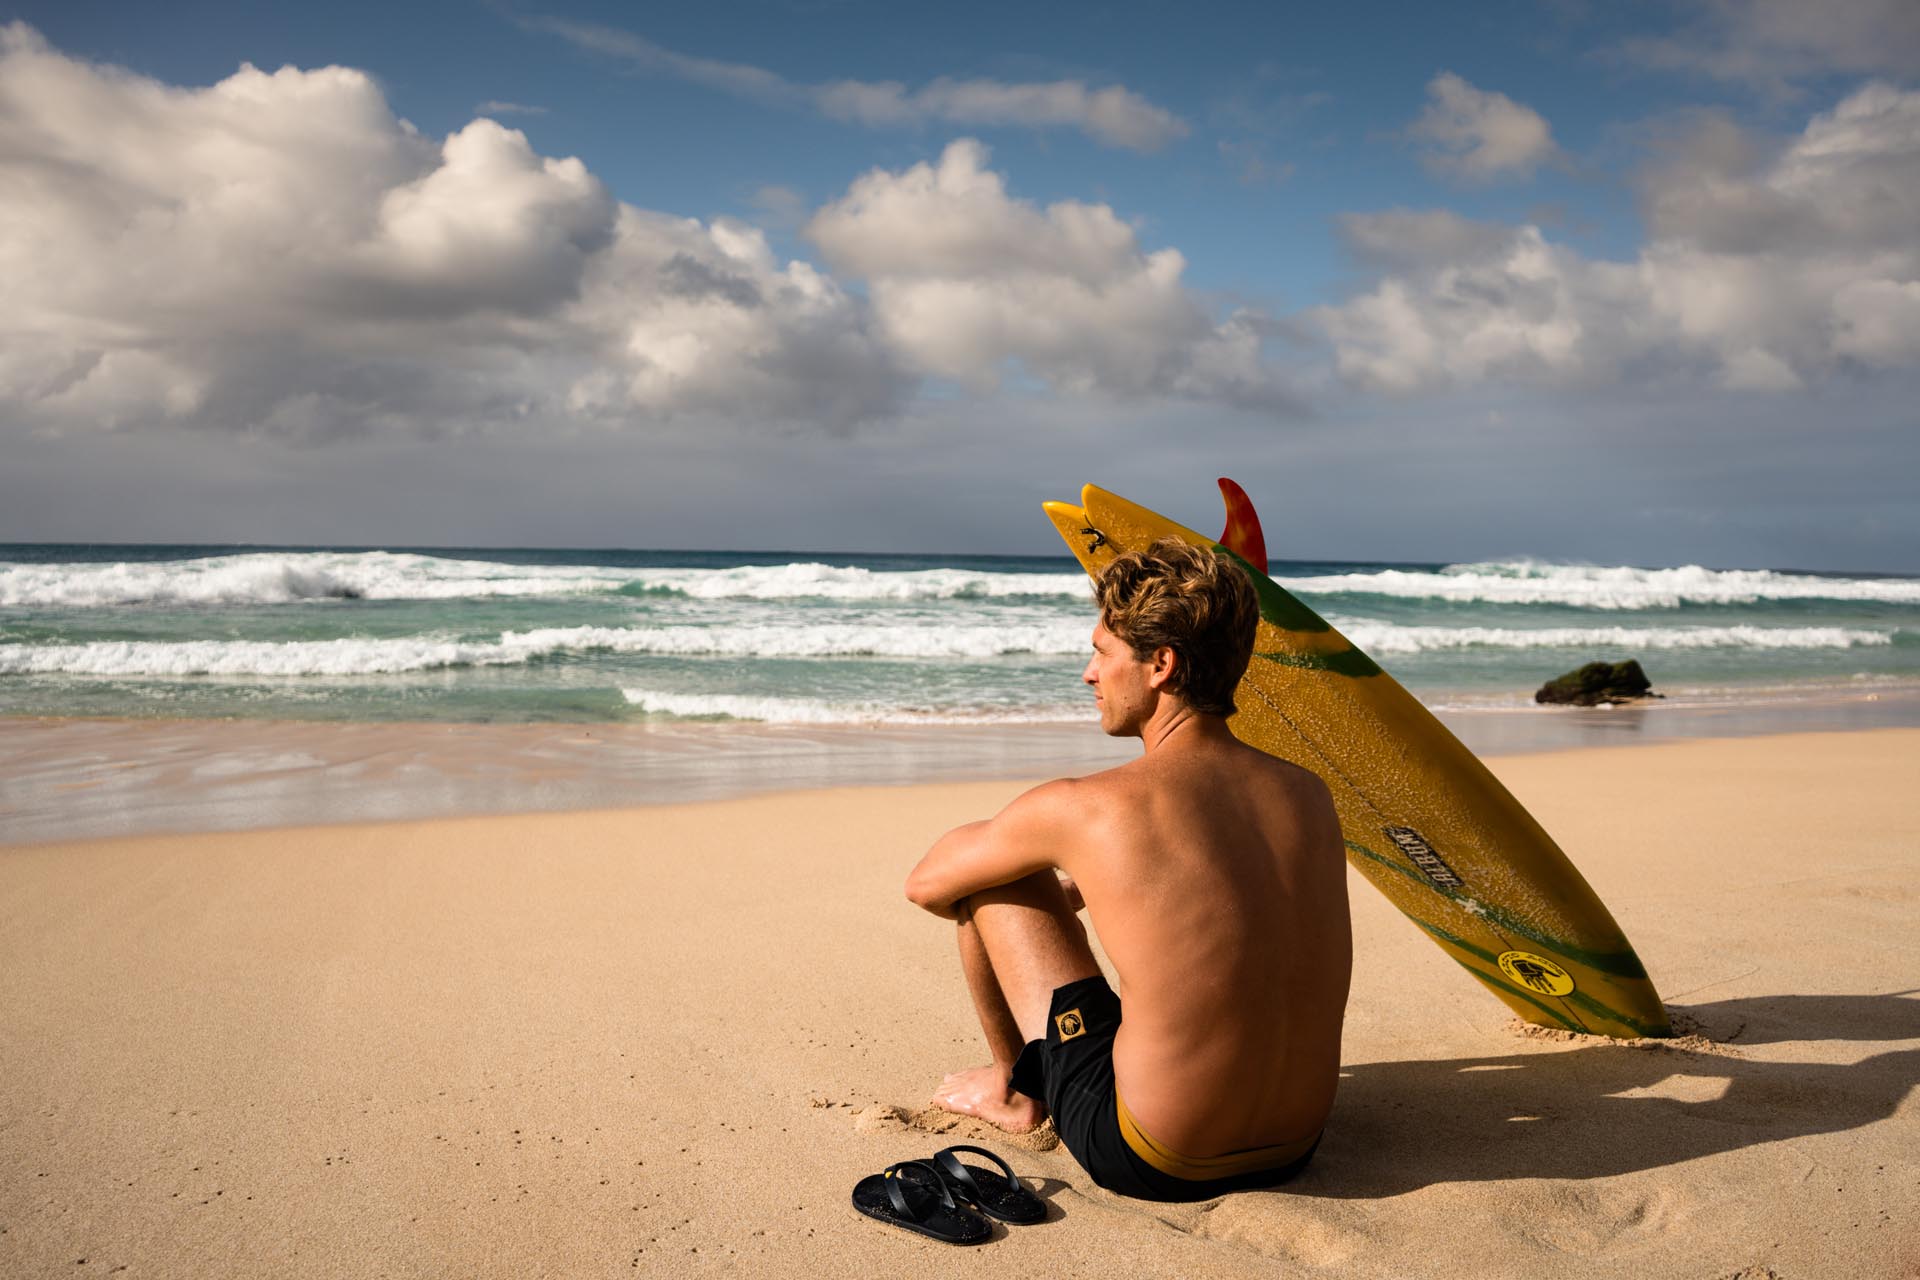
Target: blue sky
1628,282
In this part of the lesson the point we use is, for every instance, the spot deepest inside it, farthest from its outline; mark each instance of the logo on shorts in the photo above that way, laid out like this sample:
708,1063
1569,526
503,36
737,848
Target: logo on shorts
1536,973
1070,1024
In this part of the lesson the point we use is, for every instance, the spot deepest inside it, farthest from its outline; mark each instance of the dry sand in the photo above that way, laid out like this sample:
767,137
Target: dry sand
669,1040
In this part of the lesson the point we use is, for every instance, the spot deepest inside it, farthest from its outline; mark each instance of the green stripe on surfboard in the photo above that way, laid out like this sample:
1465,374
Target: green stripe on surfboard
1575,997
1278,607
1621,964
1507,988
1277,604
1481,953
1587,1002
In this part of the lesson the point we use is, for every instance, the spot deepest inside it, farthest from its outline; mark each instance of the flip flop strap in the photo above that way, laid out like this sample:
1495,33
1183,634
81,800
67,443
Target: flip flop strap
896,1174
950,1165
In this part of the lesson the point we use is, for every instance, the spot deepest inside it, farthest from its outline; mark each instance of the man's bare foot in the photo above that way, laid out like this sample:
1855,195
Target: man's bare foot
983,1092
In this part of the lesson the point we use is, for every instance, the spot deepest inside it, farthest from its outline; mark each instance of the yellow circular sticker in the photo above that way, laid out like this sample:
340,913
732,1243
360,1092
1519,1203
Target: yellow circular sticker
1536,973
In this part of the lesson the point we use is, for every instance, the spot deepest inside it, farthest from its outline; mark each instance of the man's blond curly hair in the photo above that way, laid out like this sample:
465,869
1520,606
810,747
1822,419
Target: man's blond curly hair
1188,599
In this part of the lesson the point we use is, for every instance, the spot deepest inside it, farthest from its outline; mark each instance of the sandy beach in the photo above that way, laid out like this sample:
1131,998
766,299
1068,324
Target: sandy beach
668,1040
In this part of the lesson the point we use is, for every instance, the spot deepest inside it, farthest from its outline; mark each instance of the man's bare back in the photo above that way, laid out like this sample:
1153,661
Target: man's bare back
1215,877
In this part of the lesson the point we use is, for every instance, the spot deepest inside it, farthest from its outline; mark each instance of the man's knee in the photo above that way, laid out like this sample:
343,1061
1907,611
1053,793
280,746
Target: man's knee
1030,913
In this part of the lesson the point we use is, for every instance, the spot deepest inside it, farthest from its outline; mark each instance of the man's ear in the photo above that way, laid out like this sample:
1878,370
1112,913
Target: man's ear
1164,662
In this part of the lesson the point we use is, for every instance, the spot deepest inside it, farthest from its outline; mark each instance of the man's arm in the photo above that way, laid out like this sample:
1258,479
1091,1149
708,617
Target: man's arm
1034,833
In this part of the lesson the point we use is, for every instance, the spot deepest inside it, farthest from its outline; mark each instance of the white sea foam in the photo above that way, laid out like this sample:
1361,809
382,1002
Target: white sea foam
349,657
818,640
389,656
287,577
771,710
850,583
290,577
251,657
1385,637
1599,587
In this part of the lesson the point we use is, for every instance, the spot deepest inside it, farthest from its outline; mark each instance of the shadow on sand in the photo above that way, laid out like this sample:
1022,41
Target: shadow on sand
1399,1126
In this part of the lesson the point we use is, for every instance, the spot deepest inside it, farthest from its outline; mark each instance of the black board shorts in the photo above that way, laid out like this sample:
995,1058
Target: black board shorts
1072,1072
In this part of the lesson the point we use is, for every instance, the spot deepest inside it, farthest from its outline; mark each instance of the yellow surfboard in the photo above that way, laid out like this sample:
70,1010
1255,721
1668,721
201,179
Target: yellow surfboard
1423,819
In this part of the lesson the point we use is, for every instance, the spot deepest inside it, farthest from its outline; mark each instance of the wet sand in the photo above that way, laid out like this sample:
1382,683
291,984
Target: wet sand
65,779
668,1040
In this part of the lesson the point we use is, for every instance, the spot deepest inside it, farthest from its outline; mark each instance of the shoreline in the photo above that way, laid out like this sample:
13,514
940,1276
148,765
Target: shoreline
668,1040
78,778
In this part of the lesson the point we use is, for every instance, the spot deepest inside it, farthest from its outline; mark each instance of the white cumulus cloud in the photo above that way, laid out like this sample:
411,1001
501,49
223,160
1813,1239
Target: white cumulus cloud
1477,134
971,284
278,252
1757,276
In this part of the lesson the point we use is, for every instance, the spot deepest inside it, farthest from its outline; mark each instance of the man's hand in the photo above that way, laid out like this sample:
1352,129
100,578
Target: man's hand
1072,890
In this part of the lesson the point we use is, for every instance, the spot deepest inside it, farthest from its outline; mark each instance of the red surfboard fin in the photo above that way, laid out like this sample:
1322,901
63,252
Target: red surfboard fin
1242,535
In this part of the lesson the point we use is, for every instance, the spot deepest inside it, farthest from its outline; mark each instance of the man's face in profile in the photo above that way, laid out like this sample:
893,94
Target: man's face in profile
1121,683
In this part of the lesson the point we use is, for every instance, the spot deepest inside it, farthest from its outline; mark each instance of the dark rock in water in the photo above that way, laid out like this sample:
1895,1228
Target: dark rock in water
1597,683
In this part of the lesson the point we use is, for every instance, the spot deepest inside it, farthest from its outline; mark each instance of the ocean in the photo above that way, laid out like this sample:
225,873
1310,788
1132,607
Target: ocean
780,638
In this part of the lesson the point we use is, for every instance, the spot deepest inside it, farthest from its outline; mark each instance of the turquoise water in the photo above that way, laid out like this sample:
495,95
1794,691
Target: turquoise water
786,638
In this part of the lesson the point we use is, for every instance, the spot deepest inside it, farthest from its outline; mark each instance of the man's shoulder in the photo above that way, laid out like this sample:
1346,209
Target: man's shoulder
1125,785
1240,773
1102,788
1283,771
1062,800
1079,801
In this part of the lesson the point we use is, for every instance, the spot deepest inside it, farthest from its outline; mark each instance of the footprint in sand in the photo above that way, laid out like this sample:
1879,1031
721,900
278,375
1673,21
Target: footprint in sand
1308,1232
1594,1220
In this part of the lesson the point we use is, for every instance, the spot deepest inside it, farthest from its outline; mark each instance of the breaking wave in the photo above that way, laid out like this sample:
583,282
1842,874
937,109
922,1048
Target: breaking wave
346,657
356,656
291,577
810,581
1596,587
294,577
1386,637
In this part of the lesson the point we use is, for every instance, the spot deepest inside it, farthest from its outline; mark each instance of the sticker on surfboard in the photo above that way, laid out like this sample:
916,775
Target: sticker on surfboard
1424,856
1536,973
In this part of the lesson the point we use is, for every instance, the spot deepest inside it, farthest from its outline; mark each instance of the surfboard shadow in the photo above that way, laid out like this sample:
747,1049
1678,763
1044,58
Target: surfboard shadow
1598,1110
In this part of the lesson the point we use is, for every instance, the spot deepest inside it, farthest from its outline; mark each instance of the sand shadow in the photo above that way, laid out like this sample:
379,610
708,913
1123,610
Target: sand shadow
1602,1109
1772,1019
1047,1190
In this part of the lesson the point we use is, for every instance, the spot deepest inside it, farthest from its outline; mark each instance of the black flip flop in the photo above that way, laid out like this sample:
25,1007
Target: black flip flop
912,1194
999,1195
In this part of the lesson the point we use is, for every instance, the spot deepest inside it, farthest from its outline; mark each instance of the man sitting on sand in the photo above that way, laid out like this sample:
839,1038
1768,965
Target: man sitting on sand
1215,876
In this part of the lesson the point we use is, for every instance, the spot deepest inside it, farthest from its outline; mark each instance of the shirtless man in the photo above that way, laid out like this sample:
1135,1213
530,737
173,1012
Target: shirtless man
1215,876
